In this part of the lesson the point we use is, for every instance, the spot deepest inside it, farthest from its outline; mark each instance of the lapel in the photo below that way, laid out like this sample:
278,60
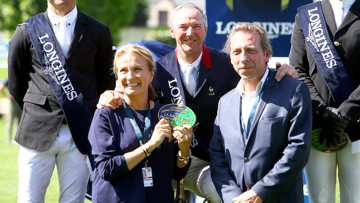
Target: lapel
263,100
329,16
202,78
351,15
238,124
205,66
171,66
232,118
79,31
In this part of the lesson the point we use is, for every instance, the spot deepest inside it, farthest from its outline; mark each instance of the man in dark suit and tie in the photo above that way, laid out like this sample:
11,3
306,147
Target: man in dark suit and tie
262,131
59,63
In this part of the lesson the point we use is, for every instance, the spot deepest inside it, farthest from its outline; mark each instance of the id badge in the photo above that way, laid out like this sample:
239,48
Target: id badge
147,176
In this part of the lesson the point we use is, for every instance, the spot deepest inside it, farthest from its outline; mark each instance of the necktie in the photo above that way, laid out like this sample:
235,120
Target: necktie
62,36
338,9
190,80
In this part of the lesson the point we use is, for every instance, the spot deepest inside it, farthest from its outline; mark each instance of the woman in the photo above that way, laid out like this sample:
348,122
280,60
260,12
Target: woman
135,154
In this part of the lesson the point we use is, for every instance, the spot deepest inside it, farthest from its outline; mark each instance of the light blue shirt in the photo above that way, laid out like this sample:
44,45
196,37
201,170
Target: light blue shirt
249,98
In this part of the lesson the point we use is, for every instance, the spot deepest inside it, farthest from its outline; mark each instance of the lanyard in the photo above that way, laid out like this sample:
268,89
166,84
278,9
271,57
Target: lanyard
252,113
142,138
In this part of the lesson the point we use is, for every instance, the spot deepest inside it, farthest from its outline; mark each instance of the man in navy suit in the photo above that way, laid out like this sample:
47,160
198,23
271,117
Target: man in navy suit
262,131
213,76
58,90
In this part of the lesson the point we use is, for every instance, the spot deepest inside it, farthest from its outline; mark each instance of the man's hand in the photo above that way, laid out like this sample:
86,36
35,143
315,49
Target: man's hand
248,197
283,70
334,125
110,99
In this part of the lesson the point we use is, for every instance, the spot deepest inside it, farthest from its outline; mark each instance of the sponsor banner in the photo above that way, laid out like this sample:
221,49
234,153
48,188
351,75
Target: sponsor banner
277,17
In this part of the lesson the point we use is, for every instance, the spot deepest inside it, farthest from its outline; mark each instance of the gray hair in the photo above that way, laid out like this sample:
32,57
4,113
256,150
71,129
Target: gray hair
189,5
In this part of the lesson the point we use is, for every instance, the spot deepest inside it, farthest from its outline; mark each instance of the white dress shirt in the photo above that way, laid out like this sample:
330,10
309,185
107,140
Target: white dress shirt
70,19
183,65
338,14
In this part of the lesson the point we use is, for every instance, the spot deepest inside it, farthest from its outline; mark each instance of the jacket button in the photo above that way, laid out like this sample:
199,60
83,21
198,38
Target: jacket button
336,43
246,160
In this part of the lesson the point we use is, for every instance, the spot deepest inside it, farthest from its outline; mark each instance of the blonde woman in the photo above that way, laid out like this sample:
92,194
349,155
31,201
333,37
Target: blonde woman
135,153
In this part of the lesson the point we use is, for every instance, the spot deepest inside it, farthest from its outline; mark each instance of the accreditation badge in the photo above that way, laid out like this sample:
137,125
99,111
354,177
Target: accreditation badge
147,177
315,144
177,115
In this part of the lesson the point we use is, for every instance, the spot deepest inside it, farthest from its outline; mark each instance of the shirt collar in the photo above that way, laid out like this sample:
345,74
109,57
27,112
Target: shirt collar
70,17
346,3
196,63
259,86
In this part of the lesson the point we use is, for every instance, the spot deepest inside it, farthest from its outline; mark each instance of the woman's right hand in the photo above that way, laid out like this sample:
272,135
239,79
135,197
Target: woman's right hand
161,131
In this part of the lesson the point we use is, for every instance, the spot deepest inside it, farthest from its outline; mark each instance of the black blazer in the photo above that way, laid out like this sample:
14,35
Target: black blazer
90,59
348,36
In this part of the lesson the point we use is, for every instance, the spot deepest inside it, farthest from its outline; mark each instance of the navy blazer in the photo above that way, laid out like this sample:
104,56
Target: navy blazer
90,59
278,147
348,38
111,136
216,77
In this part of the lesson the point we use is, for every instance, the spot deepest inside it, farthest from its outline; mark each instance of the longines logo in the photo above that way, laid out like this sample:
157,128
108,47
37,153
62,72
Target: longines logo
317,38
274,29
55,68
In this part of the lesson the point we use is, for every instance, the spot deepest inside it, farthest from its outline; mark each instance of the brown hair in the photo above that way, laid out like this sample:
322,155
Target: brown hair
143,52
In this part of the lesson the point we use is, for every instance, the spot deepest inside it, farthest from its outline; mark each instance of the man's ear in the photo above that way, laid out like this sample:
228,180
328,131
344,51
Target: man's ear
172,32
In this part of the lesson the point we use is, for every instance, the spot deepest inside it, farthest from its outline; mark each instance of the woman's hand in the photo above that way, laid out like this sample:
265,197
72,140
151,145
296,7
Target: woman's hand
183,135
161,131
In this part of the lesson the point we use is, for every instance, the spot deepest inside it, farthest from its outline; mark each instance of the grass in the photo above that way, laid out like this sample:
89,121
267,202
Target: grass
9,172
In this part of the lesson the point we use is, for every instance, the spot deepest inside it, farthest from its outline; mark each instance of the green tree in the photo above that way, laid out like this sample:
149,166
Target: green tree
13,12
141,14
116,14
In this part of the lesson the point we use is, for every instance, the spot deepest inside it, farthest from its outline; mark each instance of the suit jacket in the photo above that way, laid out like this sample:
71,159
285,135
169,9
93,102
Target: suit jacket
90,59
348,37
278,146
216,77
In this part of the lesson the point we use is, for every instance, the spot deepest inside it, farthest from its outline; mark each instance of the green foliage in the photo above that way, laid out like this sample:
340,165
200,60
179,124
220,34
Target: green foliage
141,14
116,14
162,35
13,12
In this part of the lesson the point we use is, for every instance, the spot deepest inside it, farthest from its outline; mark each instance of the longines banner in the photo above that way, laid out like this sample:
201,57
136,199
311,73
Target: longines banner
276,16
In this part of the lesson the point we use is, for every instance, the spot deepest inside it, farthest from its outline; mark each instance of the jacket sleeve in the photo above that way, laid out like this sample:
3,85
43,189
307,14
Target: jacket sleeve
295,155
19,64
104,61
224,181
108,160
179,173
